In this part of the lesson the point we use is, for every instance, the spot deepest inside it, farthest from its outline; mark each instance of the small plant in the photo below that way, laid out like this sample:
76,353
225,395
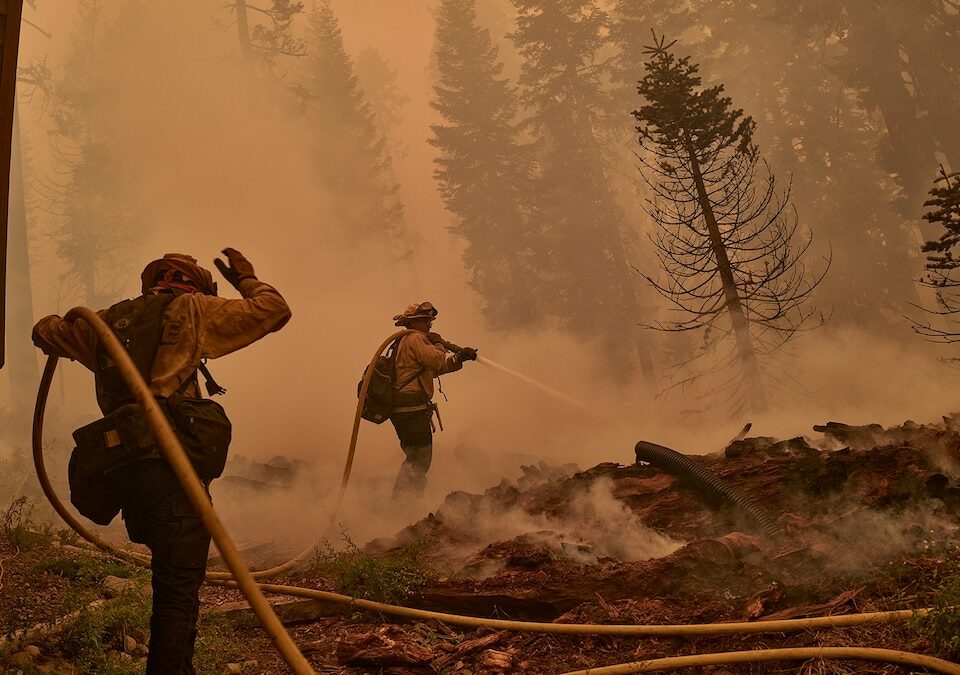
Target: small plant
356,572
87,570
95,638
219,643
942,625
18,524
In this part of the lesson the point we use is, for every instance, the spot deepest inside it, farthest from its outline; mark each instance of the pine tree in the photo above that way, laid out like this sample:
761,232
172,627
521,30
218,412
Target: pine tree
482,169
902,58
378,80
579,225
93,234
819,132
782,61
350,157
942,266
727,239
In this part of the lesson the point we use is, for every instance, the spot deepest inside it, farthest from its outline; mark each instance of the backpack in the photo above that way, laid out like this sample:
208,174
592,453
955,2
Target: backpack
382,390
124,435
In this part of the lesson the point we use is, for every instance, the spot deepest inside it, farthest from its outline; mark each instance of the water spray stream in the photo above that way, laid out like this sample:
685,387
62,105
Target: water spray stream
542,387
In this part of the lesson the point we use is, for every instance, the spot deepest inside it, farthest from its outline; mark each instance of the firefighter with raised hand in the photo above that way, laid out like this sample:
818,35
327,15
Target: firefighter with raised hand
169,331
421,357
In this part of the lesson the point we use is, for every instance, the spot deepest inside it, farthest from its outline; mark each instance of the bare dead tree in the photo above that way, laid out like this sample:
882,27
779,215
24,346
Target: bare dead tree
728,239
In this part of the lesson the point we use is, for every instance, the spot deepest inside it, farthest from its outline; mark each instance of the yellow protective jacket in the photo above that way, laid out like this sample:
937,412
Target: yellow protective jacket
416,354
195,327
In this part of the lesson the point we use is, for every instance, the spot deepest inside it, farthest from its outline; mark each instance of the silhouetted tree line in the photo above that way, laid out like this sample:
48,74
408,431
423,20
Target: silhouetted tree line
855,101
293,58
555,184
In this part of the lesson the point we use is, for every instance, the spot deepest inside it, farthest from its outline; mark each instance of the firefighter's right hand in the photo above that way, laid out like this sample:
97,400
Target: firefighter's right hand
467,354
238,269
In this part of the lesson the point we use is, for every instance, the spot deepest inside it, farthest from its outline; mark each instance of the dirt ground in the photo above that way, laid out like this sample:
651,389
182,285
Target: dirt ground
867,519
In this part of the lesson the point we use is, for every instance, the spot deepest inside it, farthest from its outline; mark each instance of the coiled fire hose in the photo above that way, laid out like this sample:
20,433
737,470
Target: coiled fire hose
141,560
677,464
681,630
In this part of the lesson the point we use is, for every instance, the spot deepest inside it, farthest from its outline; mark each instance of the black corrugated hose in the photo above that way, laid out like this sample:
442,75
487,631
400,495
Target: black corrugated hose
681,465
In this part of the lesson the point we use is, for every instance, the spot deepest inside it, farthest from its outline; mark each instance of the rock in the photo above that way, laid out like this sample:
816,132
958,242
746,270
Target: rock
22,659
32,650
129,644
234,668
116,586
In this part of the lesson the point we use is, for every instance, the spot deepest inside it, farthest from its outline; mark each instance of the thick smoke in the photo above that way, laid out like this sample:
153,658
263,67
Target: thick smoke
208,163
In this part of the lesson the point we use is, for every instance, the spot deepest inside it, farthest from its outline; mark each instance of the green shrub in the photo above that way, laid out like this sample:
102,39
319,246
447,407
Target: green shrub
219,643
355,572
942,625
97,634
89,570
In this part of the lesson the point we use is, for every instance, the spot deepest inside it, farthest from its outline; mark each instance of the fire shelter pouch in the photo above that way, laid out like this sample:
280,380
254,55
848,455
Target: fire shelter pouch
204,430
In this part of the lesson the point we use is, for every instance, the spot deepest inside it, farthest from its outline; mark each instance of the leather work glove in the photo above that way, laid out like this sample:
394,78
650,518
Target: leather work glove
467,354
238,270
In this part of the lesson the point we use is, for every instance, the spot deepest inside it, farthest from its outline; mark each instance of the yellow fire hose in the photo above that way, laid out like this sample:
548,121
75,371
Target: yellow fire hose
174,454
241,577
622,630
787,654
144,560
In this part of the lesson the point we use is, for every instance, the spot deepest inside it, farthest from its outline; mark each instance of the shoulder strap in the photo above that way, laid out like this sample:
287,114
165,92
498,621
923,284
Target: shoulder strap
138,324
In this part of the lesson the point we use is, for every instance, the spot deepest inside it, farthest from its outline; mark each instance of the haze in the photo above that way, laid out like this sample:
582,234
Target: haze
205,154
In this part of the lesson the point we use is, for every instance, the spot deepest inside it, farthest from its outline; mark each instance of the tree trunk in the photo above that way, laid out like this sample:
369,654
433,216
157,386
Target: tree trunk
243,30
910,132
24,374
741,327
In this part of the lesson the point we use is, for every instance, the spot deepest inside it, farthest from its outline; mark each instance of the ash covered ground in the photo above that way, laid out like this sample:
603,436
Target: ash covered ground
867,519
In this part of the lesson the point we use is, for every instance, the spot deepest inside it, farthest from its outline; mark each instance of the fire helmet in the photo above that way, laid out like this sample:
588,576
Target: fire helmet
417,310
180,268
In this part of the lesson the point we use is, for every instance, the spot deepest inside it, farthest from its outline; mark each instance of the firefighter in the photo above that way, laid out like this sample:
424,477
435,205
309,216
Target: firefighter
192,324
421,357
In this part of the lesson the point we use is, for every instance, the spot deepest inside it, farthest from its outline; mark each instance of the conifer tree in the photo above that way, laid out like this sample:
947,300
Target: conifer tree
482,169
579,225
819,132
350,154
93,230
378,80
776,64
900,58
942,265
727,239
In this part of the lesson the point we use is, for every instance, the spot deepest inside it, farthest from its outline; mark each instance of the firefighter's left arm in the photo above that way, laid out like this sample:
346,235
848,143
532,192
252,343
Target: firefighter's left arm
226,325
55,336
